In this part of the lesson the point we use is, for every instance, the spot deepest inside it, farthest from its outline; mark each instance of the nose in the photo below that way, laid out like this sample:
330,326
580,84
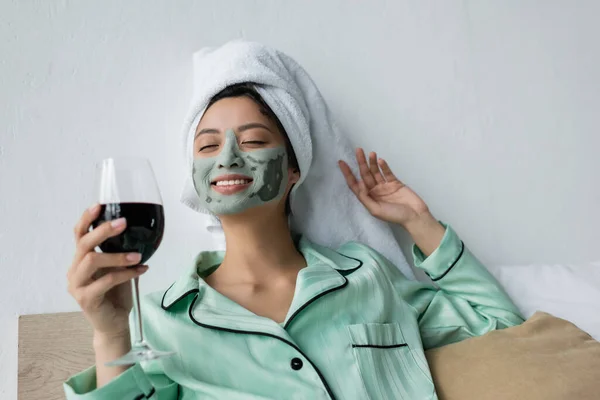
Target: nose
230,154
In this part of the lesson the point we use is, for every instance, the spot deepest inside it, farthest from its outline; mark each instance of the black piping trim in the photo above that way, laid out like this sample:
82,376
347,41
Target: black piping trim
462,249
329,392
349,271
162,302
374,346
146,396
360,263
343,285
346,272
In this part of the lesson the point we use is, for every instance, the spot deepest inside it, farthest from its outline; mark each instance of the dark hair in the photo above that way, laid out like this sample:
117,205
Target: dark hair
247,89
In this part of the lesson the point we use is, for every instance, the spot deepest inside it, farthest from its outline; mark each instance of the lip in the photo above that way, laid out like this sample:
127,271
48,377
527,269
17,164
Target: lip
231,189
230,177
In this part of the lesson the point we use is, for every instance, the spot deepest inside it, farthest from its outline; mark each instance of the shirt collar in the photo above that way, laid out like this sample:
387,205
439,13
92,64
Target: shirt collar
191,281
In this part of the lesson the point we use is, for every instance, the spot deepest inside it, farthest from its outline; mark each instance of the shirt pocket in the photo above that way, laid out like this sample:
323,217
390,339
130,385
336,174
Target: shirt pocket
389,368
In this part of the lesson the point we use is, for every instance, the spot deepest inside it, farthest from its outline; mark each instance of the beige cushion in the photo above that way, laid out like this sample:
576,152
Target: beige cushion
545,358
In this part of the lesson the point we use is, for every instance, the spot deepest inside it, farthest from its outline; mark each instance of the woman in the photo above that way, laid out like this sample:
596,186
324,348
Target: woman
276,316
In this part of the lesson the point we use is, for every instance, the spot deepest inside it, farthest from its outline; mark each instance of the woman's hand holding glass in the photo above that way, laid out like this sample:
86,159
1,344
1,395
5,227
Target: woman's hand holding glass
100,281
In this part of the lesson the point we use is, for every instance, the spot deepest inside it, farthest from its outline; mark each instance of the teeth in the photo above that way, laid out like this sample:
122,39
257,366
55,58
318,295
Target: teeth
233,182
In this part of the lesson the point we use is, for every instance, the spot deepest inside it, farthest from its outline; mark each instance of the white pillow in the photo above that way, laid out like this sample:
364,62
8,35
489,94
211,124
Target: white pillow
571,291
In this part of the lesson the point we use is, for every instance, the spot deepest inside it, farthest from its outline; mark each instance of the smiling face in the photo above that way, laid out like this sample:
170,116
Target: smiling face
240,158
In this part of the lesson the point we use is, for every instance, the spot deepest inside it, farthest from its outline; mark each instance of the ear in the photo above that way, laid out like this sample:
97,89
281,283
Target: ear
294,175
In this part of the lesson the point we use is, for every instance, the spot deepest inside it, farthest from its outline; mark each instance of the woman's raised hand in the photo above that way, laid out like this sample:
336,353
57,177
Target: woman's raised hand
384,195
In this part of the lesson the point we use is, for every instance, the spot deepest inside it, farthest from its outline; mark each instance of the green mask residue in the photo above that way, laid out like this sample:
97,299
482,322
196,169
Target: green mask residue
267,168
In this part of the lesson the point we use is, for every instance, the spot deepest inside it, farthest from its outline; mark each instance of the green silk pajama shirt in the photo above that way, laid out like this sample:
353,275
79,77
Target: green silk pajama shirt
357,328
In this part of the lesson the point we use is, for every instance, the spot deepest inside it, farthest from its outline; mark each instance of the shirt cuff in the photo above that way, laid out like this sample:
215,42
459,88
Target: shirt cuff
131,384
444,258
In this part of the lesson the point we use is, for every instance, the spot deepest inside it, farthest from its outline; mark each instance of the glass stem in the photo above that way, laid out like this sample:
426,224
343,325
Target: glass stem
138,333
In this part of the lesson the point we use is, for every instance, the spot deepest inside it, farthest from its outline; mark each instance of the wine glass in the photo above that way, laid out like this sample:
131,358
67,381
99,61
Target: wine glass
127,188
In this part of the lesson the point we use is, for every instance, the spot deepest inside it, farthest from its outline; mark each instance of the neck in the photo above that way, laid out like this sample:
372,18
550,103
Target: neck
259,250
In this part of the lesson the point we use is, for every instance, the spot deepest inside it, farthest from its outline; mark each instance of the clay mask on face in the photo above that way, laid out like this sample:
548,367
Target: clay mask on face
266,167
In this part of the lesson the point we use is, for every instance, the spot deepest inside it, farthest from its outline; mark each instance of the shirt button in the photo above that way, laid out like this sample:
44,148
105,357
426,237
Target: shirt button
296,363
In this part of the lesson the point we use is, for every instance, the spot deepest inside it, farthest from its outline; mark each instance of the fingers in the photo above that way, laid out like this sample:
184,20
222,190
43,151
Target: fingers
91,295
359,187
364,198
100,286
83,225
90,240
387,172
365,172
350,178
374,168
376,171
93,262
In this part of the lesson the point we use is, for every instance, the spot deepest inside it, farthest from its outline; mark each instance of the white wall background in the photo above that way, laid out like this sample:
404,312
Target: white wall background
488,109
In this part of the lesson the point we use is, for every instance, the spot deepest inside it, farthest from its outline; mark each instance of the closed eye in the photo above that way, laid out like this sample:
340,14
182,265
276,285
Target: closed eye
208,147
253,144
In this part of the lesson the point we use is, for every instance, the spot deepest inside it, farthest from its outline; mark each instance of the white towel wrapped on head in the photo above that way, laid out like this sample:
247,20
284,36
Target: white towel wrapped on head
323,207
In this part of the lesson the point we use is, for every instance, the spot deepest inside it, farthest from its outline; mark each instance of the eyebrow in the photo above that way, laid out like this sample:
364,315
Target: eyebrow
253,125
240,128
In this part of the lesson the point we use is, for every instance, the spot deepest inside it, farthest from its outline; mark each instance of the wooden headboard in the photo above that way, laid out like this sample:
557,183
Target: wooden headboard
52,347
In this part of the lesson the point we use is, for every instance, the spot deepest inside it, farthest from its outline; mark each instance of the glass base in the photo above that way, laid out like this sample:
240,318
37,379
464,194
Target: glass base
139,352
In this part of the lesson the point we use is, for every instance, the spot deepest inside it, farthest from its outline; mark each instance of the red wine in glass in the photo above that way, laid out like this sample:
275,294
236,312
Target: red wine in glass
127,189
144,231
